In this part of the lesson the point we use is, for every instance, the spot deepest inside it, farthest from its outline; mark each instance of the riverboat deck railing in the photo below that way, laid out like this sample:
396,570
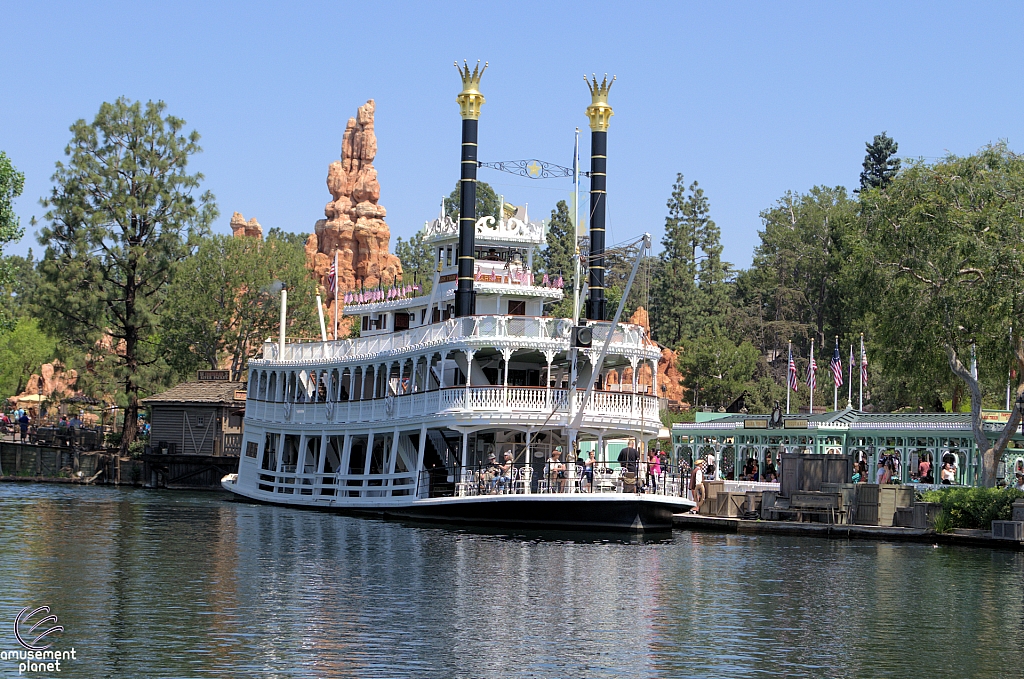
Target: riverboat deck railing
520,479
469,328
496,400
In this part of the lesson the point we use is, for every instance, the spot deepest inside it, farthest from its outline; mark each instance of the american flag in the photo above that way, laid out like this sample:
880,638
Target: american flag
793,379
837,366
863,364
332,278
812,374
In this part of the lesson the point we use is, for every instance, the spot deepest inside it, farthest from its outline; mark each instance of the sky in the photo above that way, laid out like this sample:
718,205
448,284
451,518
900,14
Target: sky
751,100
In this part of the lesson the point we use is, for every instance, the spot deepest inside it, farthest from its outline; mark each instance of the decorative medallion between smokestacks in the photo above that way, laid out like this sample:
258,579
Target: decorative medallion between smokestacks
355,225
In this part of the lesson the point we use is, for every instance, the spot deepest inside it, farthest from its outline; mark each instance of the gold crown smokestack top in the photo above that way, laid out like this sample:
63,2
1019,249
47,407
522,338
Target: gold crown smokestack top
470,100
599,113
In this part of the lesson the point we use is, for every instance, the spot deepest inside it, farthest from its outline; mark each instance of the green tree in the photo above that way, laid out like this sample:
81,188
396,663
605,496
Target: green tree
880,163
556,258
22,280
121,214
803,282
224,301
944,240
715,369
22,351
690,284
487,203
11,184
418,263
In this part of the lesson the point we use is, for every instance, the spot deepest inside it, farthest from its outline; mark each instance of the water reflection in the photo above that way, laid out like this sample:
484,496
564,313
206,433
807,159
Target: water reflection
172,585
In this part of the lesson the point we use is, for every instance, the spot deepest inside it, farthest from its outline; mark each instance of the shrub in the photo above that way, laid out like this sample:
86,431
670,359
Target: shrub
113,439
974,507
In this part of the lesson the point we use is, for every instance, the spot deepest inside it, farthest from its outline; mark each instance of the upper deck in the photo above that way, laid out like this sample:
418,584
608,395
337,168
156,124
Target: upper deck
461,334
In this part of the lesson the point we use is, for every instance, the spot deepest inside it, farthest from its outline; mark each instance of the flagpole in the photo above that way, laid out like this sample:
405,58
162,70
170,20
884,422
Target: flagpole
335,294
576,229
849,386
861,380
835,384
788,363
810,368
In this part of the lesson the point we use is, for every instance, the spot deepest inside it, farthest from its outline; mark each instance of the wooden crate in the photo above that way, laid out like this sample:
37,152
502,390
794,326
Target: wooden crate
904,517
925,514
1018,510
731,504
768,498
1008,530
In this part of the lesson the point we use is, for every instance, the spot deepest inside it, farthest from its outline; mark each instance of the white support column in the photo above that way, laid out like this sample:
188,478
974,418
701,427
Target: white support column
506,354
549,356
469,373
419,458
393,455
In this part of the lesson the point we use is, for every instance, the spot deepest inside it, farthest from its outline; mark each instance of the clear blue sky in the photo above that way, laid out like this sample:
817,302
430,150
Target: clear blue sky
750,99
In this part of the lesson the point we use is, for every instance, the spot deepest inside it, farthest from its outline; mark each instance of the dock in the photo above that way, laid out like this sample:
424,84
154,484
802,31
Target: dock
722,524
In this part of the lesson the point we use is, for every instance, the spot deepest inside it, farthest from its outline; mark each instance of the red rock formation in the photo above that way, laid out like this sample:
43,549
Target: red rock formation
243,229
54,382
669,378
355,226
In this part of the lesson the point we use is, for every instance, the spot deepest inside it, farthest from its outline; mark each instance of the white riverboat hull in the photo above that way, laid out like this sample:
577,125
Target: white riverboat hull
631,512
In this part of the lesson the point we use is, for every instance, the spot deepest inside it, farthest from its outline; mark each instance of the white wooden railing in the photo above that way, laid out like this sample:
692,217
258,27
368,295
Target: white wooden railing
455,329
530,402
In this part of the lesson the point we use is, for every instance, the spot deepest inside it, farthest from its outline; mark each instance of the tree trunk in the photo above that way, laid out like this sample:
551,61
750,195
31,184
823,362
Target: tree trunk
990,453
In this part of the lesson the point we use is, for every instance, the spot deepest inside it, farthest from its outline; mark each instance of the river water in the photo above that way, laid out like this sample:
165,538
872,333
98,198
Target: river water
175,584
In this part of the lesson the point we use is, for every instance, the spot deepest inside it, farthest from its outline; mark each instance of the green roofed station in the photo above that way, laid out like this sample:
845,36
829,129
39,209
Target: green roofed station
734,440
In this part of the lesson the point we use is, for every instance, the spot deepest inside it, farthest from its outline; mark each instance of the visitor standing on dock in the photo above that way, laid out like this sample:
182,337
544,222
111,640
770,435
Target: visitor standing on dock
23,425
697,485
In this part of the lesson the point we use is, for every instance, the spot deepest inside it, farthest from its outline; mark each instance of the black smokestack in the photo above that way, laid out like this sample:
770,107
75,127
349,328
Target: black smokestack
470,100
599,113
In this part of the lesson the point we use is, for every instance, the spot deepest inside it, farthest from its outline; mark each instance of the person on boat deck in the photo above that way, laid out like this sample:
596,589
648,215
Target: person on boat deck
588,470
629,459
489,472
554,471
504,476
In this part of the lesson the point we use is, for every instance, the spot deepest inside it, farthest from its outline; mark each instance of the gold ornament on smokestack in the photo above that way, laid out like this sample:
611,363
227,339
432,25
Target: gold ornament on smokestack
599,112
470,100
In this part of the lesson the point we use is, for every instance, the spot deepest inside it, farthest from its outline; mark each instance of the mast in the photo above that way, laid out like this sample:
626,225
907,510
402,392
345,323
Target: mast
470,100
576,229
599,113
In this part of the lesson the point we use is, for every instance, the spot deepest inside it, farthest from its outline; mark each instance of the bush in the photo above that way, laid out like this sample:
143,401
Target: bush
113,439
974,507
136,448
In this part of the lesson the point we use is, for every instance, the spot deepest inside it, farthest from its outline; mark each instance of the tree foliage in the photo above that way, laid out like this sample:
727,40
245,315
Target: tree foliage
487,202
557,257
945,242
12,183
224,302
880,163
715,369
122,213
418,261
22,351
690,285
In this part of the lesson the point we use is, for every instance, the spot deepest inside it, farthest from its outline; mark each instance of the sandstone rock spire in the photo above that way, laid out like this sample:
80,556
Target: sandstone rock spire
355,225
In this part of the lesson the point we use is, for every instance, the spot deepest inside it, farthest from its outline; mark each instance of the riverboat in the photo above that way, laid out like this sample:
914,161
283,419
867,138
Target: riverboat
466,405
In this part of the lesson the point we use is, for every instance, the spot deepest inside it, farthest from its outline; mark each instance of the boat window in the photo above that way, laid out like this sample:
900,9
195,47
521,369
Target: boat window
335,385
332,462
290,454
381,449
289,395
252,449
272,387
401,321
253,383
449,257
262,393
270,452
357,457
311,460
321,387
516,307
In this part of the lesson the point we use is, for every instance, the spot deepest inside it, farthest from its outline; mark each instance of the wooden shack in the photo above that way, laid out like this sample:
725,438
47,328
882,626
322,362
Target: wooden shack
195,431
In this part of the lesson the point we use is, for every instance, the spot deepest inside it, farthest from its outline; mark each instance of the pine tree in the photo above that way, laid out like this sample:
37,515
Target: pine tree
556,257
123,211
691,293
880,163
486,202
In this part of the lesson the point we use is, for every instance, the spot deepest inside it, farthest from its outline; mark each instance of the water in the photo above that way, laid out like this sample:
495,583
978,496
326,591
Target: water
170,584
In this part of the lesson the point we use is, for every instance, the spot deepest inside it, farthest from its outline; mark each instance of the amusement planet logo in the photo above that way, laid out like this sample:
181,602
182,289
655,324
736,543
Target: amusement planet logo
34,635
